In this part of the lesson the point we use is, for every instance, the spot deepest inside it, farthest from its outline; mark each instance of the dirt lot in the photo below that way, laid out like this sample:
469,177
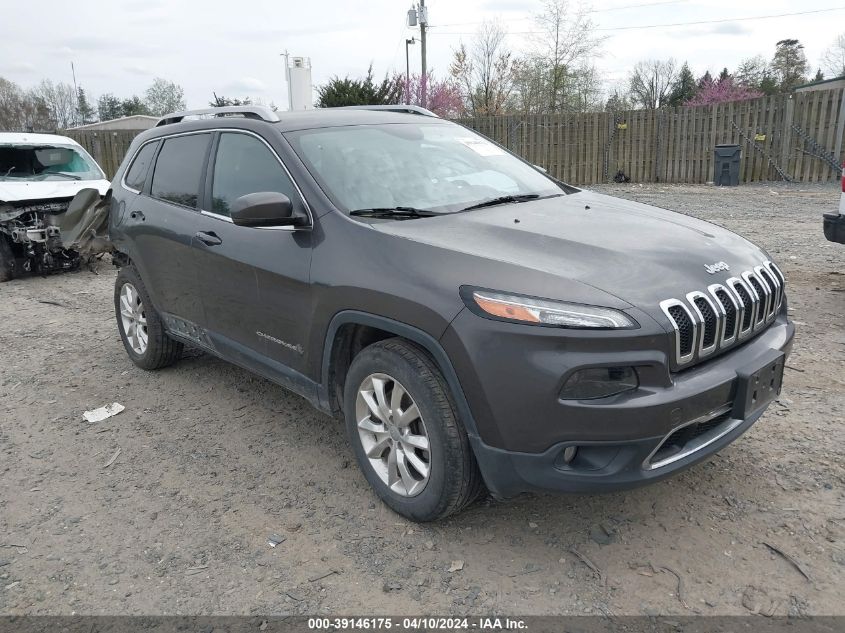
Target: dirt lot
212,461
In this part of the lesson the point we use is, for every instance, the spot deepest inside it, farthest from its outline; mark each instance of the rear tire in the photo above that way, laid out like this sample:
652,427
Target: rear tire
420,484
140,326
7,260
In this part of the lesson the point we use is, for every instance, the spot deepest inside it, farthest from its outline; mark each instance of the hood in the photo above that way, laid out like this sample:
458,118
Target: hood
11,191
636,252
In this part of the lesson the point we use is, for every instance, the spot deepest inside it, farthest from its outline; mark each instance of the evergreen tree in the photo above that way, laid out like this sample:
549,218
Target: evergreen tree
684,88
346,92
222,102
133,106
83,108
789,64
108,107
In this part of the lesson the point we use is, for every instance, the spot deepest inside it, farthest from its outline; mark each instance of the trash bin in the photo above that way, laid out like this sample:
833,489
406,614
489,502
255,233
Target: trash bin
727,165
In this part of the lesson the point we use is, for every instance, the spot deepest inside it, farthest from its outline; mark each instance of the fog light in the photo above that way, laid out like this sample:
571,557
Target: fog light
569,454
599,382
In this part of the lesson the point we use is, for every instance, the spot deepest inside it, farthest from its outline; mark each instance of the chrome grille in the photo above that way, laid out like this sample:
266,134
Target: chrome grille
726,313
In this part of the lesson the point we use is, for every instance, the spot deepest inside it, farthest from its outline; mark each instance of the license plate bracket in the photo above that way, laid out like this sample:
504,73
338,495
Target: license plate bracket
758,384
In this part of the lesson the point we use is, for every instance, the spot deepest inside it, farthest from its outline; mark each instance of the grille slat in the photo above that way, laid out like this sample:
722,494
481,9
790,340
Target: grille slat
685,329
748,313
730,314
761,300
710,321
726,314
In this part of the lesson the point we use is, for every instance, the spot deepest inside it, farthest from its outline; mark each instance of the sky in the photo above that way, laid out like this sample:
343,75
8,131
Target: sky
235,48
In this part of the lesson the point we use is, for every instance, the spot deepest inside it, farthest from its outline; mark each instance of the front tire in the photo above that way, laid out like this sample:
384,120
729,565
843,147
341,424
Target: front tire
406,434
7,260
140,326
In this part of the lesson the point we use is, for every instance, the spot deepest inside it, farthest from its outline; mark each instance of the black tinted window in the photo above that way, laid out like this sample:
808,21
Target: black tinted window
178,169
137,173
245,165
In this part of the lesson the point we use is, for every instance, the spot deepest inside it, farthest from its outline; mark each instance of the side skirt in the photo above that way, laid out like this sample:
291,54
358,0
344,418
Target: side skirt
233,352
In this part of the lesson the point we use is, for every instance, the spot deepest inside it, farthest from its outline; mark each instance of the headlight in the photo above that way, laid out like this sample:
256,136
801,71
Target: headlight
542,312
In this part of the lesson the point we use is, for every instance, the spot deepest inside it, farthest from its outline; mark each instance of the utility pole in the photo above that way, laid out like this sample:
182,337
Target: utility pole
408,72
75,95
424,76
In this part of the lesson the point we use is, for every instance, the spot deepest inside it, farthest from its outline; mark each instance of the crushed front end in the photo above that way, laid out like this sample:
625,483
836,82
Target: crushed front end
53,235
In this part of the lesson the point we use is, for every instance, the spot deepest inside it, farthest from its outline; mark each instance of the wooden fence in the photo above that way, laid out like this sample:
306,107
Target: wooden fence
108,147
798,137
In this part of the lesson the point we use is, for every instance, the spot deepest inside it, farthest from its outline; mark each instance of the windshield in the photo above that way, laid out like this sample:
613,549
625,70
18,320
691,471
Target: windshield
46,162
429,166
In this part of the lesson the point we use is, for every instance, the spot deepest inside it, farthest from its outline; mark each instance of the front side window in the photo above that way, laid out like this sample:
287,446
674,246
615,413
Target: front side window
178,169
137,173
245,165
47,162
438,167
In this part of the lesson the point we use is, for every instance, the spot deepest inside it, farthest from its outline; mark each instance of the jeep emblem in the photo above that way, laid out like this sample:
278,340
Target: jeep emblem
714,268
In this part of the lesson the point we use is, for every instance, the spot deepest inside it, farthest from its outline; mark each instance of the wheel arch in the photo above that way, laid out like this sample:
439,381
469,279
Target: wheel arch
340,346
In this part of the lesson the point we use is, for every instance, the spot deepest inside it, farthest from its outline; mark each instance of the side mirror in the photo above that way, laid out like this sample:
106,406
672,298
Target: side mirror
264,208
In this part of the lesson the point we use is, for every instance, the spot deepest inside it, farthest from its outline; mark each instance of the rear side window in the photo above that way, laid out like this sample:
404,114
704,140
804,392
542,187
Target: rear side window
178,169
137,172
245,165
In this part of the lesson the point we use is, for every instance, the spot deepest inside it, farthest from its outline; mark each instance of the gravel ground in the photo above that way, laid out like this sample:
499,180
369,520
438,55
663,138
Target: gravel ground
167,507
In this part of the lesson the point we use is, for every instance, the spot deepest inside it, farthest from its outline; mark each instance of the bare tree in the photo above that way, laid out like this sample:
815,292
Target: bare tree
12,106
651,81
565,43
833,59
59,100
485,70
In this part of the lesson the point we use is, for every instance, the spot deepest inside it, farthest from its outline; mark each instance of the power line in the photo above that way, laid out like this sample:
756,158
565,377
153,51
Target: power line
657,26
758,17
607,10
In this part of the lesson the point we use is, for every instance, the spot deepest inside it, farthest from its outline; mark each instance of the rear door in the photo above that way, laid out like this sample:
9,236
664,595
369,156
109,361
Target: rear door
162,220
254,281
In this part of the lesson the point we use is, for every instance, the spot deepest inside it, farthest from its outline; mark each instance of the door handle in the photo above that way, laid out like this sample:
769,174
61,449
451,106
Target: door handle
209,239
137,215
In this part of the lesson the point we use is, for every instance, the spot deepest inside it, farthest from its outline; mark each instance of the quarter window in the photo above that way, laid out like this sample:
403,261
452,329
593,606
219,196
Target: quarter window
245,165
137,173
179,169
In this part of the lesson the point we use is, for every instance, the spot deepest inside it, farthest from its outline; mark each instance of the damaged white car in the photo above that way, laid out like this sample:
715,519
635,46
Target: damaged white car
53,208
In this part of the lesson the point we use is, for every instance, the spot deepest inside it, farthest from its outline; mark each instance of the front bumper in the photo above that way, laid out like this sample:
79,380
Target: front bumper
834,227
521,429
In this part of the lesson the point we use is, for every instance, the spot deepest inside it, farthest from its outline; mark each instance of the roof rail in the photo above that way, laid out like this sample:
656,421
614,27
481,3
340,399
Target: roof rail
262,113
399,107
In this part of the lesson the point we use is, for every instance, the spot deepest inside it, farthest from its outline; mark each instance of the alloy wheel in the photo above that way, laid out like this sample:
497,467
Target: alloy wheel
393,434
134,318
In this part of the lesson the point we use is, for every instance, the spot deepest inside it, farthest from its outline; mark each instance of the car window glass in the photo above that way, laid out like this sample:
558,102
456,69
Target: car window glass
178,169
245,165
433,166
47,162
137,173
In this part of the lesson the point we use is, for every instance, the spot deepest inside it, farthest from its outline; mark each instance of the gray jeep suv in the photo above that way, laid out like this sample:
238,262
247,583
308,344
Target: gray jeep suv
477,323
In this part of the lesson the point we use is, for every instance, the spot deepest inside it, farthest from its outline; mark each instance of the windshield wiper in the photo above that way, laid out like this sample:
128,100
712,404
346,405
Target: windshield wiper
522,197
60,173
393,212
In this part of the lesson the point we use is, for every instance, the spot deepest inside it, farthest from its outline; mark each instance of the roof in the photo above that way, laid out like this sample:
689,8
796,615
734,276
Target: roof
820,82
336,117
25,138
134,117
290,121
